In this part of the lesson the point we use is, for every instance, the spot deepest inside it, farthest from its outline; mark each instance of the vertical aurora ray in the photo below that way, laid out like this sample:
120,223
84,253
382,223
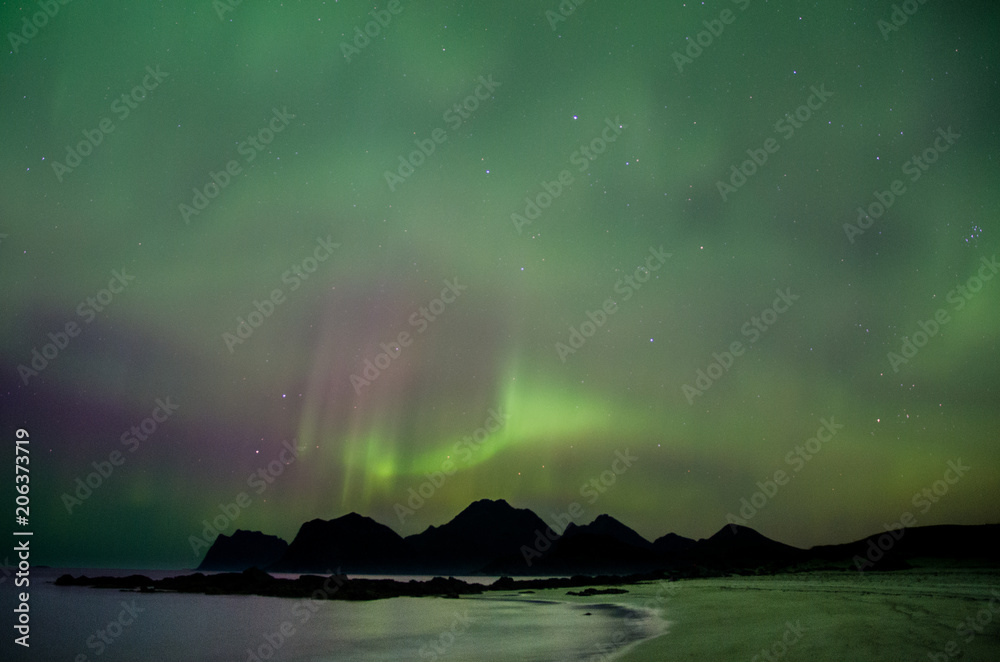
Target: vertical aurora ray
494,348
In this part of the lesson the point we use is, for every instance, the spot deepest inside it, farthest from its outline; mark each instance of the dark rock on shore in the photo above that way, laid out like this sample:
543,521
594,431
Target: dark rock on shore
340,587
257,582
587,592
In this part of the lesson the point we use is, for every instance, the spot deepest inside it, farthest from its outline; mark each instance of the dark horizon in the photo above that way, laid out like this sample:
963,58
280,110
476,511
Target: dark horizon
232,530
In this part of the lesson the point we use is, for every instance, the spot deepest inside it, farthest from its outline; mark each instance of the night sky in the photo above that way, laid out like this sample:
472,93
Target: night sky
271,231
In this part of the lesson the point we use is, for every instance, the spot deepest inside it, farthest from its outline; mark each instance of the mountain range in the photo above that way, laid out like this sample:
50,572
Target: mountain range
494,538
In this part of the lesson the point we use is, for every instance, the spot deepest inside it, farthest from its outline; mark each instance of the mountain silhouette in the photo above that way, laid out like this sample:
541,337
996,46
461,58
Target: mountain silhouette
673,543
742,539
351,543
493,538
606,525
898,548
242,550
482,532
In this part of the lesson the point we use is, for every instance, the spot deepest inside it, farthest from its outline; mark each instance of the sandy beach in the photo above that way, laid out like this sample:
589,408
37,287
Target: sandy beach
906,615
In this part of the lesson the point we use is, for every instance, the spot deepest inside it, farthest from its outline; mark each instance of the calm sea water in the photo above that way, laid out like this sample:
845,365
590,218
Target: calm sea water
83,624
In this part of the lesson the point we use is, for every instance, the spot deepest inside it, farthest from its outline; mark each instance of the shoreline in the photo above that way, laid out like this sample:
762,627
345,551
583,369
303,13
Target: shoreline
637,623
828,616
342,587
818,615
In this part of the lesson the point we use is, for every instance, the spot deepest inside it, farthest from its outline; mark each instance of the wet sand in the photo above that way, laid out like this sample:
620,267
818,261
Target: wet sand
905,615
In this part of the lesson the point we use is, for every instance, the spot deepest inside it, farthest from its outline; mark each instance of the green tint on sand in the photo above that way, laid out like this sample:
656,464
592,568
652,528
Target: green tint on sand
904,615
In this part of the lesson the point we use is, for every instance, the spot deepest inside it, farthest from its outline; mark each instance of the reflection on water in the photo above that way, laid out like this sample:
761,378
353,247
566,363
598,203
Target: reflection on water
114,625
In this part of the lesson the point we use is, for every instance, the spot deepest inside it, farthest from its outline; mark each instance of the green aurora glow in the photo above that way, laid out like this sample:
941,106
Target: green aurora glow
494,346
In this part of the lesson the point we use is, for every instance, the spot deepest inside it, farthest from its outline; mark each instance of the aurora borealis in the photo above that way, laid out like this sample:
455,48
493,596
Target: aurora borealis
486,247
